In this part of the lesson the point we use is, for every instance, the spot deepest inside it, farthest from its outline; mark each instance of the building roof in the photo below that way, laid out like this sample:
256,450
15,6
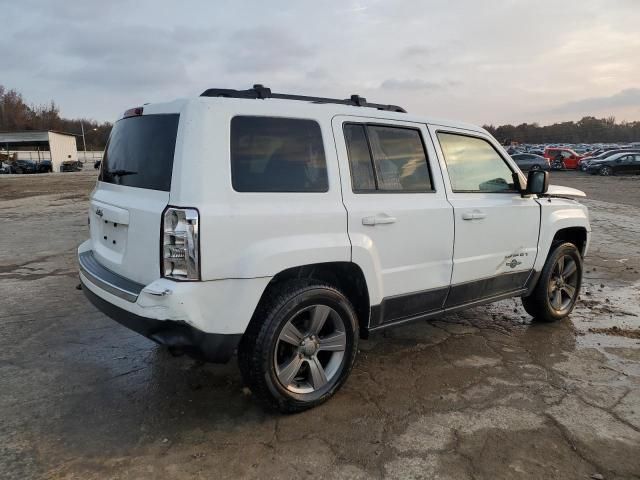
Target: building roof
29,136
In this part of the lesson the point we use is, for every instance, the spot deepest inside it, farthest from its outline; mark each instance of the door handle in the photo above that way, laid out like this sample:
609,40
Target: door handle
475,215
379,219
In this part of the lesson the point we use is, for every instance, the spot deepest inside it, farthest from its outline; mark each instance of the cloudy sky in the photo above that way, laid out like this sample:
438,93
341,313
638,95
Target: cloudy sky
483,61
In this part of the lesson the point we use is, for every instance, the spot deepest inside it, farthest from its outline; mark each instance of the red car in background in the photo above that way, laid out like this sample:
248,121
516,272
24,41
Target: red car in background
560,158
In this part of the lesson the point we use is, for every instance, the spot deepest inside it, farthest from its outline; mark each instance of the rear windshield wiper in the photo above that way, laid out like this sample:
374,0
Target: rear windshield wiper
120,173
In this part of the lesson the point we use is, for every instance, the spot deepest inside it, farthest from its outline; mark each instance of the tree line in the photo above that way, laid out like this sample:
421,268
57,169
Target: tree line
587,130
17,116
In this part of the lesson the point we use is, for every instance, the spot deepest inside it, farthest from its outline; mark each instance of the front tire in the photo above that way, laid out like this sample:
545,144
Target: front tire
605,171
300,345
555,295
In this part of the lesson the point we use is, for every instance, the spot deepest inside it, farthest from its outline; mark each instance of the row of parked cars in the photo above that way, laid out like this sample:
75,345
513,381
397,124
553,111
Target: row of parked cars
604,162
42,166
26,166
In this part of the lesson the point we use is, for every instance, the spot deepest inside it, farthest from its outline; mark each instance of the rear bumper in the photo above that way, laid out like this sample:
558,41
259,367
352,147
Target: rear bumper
211,347
107,280
205,319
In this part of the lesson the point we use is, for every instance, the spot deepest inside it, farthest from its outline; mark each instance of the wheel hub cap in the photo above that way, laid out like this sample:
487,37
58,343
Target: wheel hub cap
309,346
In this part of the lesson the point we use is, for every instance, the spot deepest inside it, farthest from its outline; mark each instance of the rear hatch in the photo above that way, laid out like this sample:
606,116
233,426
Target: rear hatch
131,194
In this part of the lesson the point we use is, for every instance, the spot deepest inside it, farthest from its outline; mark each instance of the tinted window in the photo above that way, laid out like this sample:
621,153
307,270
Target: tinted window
140,152
398,157
270,154
362,177
474,165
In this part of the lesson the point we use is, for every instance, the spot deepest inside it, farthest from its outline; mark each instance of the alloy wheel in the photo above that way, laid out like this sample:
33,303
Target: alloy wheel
563,283
310,349
605,171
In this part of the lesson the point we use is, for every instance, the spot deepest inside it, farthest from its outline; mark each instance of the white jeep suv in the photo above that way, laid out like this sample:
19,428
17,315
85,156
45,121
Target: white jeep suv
286,227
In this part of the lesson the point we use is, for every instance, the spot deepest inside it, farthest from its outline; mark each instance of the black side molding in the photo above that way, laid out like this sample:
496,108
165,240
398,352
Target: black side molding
431,303
469,292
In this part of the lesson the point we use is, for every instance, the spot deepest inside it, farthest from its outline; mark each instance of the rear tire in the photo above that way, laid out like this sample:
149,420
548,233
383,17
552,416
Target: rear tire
558,287
300,345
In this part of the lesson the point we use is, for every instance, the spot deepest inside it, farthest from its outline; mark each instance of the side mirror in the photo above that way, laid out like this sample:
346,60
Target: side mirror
537,182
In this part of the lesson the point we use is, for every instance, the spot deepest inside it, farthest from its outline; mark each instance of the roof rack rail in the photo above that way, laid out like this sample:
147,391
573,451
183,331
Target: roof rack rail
261,92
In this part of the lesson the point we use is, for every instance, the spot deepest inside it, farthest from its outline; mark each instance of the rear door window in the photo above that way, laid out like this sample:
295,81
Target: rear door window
140,152
387,158
362,176
273,154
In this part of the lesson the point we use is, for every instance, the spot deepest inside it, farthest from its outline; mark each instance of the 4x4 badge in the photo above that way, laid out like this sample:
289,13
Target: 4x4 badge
513,263
99,212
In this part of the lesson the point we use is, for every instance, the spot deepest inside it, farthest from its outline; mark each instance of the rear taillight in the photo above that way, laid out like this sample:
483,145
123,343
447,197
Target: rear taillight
181,244
133,112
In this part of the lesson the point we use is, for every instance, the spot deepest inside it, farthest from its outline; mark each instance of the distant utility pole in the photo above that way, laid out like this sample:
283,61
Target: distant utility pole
84,143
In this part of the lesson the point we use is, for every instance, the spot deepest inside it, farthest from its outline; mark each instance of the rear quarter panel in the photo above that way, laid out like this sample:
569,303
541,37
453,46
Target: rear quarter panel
246,234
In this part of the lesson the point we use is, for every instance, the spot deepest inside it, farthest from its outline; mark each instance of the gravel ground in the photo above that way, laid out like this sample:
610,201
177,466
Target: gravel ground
483,394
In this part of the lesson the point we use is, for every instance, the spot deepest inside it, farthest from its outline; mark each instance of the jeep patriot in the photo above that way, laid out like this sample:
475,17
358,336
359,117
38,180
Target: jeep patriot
285,228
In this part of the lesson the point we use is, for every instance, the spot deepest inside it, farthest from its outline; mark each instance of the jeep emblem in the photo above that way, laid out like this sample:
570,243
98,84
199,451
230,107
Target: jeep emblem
513,263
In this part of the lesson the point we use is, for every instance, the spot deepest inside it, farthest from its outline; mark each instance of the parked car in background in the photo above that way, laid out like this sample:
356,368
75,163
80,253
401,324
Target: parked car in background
23,166
562,158
44,166
4,168
584,163
71,166
529,161
618,164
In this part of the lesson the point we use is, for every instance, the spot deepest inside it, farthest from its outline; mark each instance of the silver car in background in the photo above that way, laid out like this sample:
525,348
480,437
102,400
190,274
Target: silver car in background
530,161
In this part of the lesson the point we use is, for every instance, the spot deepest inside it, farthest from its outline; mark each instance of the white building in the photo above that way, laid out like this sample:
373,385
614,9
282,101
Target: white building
58,147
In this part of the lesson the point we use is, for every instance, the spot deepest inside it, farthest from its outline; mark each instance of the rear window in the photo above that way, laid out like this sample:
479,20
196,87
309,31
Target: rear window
140,152
271,154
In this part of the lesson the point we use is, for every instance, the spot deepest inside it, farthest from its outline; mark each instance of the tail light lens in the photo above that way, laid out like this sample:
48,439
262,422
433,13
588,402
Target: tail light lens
181,244
133,112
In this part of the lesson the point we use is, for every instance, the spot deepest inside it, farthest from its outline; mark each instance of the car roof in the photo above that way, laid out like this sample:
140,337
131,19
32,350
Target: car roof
621,154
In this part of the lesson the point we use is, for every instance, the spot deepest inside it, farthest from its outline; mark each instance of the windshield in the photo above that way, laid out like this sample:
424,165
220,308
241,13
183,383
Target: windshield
140,152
